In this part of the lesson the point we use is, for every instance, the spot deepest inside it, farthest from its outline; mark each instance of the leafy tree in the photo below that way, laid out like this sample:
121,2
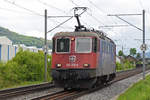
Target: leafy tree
120,53
133,51
26,66
138,56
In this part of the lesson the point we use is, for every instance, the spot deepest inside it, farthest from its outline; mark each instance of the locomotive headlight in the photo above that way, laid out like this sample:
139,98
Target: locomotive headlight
58,65
86,65
72,39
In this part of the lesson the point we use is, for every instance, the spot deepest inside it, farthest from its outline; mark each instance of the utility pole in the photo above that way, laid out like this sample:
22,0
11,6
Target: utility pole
143,46
45,47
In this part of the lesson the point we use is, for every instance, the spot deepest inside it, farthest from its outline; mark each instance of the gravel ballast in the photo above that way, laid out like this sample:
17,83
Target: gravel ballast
108,93
114,90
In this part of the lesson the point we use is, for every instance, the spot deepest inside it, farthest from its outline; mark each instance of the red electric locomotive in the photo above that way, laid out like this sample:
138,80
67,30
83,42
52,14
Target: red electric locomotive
82,59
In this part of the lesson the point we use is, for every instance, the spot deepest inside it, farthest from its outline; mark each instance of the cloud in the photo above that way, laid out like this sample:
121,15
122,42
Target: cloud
28,23
35,33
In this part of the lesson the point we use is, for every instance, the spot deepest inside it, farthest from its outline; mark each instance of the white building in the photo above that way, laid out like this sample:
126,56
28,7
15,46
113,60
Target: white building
32,48
8,51
5,40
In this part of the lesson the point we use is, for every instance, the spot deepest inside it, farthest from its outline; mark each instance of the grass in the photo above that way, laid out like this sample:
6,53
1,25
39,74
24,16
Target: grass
139,91
125,69
23,84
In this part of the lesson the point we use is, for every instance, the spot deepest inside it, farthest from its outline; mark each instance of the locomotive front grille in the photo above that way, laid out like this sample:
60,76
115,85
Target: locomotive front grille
73,74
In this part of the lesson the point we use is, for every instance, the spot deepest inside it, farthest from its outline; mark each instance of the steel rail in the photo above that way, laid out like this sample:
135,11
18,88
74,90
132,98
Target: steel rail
7,93
72,94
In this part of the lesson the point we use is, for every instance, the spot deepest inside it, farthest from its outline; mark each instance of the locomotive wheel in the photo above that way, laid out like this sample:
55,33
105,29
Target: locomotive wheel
66,89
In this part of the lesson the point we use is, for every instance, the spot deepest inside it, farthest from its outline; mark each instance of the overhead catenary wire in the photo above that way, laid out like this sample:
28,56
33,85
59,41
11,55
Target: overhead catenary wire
91,2
129,23
15,11
58,9
48,5
17,5
65,21
51,6
88,13
60,24
31,12
141,4
96,6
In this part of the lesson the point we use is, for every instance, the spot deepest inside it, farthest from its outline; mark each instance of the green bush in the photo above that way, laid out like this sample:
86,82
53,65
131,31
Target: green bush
25,66
129,65
125,65
118,66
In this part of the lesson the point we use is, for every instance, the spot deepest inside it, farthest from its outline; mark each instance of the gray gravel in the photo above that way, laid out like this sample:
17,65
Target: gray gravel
111,92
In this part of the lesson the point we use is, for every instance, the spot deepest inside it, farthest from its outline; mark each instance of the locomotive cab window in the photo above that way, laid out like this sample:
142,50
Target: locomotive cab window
53,45
94,43
83,45
63,45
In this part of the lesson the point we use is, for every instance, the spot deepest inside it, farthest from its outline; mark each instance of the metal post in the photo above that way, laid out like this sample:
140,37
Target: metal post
143,44
45,47
122,49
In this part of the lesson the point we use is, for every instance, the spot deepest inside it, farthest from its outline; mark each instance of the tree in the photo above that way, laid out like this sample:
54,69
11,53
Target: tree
133,51
120,53
138,56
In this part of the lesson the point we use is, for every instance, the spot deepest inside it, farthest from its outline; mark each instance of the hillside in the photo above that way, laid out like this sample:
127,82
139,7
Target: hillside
21,39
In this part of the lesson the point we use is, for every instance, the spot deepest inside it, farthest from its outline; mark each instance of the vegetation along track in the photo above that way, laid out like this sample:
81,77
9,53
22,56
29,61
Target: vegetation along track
72,94
7,93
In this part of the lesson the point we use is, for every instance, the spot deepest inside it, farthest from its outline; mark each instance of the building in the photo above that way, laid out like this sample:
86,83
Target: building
8,51
32,48
5,40
131,58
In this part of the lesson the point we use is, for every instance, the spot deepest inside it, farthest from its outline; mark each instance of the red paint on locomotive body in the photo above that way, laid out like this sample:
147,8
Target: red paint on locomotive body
81,59
74,60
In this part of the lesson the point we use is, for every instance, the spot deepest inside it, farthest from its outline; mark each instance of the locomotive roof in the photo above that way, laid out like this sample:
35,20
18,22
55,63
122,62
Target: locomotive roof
83,34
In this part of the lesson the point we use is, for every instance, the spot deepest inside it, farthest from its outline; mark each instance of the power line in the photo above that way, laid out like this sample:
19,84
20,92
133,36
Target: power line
129,23
15,11
91,15
75,9
48,5
118,16
60,24
100,10
96,6
141,4
124,14
114,26
13,3
10,10
88,13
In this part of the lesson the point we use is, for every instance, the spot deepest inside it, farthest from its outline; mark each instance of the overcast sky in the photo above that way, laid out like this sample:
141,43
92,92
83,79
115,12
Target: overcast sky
25,17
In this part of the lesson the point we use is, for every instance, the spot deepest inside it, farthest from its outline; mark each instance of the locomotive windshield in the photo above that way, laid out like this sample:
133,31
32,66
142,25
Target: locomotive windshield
83,45
63,45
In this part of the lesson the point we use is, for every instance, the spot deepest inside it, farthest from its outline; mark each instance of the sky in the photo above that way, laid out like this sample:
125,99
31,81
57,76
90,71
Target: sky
26,17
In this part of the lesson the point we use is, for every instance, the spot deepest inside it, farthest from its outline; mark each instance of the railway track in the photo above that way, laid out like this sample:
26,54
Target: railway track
72,94
8,93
